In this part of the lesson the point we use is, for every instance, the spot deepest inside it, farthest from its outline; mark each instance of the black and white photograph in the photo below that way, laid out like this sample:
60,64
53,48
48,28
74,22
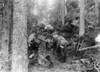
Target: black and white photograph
49,35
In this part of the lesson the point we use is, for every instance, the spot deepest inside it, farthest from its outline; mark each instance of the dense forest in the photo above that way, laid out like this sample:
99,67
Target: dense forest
50,35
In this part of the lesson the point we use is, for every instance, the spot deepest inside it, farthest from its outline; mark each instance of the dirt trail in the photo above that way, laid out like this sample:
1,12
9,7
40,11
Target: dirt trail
57,68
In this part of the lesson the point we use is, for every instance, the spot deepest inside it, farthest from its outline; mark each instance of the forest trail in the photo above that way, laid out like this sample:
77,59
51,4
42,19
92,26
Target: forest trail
56,69
64,67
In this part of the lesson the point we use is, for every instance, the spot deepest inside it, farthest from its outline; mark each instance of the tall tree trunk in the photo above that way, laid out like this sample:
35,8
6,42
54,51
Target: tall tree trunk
82,22
62,10
59,10
5,22
19,43
97,10
65,7
96,7
99,15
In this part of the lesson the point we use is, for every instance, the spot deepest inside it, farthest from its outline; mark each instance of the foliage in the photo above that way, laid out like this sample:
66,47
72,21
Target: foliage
56,42
72,9
90,13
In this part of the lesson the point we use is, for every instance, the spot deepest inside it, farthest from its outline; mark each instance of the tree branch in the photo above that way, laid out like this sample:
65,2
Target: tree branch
91,47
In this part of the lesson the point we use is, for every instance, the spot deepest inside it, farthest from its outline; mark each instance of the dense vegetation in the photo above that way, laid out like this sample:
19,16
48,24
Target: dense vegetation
52,43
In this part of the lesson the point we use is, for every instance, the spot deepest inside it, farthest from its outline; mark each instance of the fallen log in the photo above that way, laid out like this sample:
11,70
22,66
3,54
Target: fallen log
91,47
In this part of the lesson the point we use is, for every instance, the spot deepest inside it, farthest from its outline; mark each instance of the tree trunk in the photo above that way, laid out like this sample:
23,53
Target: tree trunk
5,22
65,7
82,22
59,10
96,7
97,11
99,14
62,11
19,43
